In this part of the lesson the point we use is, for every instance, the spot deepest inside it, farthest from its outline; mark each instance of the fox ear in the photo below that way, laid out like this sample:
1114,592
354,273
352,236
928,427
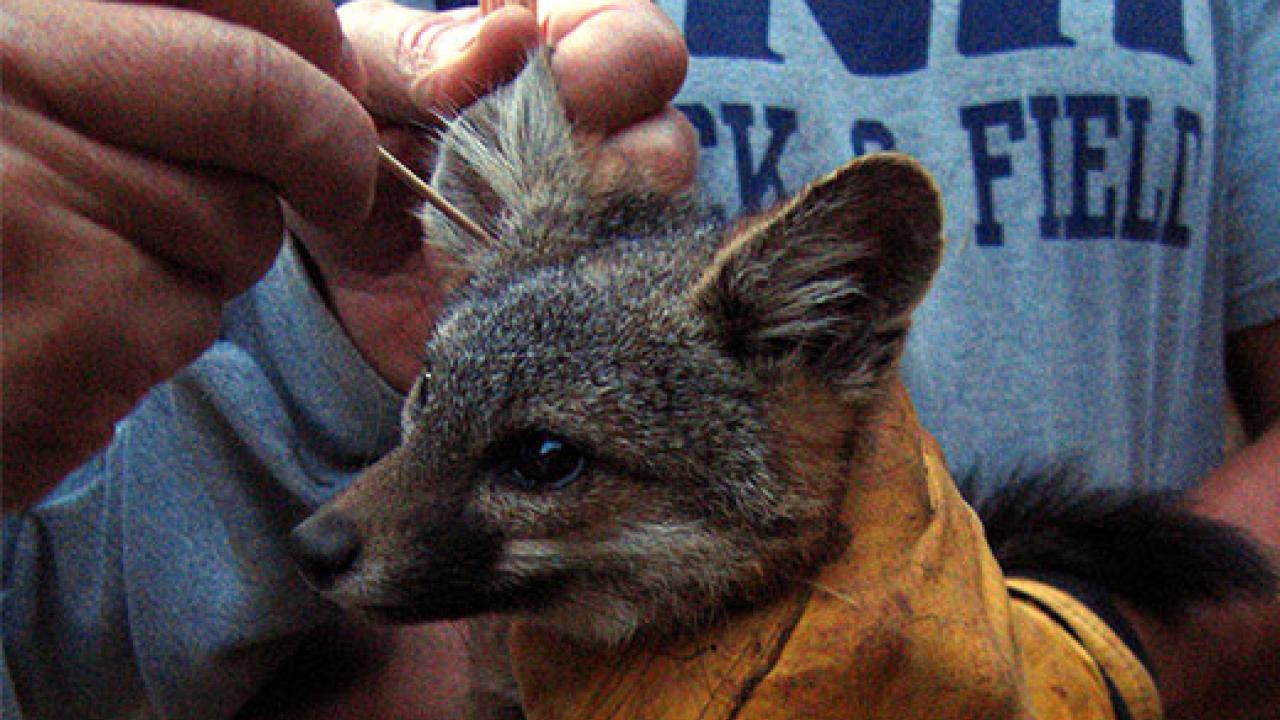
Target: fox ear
827,281
508,158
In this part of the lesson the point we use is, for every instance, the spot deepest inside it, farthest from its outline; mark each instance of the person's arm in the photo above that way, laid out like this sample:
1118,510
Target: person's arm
154,578
1224,661
145,147
1246,489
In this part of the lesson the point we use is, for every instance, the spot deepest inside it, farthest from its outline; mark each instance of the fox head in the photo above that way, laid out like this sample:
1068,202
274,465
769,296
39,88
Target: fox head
629,419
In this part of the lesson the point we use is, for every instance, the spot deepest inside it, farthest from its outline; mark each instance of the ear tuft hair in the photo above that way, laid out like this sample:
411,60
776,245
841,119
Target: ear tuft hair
828,280
507,159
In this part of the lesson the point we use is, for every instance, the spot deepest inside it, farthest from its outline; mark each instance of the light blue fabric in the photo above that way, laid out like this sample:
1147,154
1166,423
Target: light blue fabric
153,582
1073,319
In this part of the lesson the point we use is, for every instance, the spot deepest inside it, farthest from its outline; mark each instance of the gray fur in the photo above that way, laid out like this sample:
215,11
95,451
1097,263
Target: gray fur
716,383
677,356
503,162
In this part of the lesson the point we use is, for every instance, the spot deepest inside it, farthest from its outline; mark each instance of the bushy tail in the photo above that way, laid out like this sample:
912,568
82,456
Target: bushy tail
1140,546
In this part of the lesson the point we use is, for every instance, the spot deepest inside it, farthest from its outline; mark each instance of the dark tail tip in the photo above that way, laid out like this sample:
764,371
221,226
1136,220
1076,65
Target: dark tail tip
1139,545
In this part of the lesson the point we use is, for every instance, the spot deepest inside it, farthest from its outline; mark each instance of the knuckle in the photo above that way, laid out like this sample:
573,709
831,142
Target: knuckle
649,56
419,44
671,57
293,127
321,36
308,27
183,329
674,137
256,114
250,241
253,70
24,180
681,151
17,27
663,149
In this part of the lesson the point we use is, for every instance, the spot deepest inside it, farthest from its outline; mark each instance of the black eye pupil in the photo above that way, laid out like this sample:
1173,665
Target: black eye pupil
546,462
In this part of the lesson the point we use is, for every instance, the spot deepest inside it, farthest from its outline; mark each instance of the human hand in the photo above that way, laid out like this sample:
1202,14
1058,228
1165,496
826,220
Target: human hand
144,147
619,63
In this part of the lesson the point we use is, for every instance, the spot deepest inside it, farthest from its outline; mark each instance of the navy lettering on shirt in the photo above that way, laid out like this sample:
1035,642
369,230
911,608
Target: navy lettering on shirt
1089,161
876,37
1188,126
888,37
1134,226
873,132
978,120
755,181
1156,26
871,37
1078,136
1095,124
704,124
737,29
1045,110
987,27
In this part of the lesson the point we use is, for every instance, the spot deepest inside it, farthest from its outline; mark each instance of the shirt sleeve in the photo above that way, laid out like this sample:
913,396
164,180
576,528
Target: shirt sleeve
1251,171
155,581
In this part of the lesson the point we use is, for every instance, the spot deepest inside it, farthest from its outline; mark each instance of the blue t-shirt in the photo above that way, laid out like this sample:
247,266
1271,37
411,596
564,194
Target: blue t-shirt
1112,188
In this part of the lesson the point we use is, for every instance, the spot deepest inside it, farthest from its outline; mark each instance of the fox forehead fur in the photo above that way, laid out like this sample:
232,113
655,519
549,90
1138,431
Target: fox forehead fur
632,420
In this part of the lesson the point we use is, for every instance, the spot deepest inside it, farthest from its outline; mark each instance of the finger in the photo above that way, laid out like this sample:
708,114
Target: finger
489,6
627,51
195,89
137,317
91,324
308,27
392,233
420,66
223,226
662,149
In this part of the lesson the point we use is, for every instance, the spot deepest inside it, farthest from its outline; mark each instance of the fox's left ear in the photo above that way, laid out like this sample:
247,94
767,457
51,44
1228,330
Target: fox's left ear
827,281
509,163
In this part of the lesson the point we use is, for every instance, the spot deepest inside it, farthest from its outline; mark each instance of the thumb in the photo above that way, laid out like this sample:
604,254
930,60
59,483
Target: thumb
421,65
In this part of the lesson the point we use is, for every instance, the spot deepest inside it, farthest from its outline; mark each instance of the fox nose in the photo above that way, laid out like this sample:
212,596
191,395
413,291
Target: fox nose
325,546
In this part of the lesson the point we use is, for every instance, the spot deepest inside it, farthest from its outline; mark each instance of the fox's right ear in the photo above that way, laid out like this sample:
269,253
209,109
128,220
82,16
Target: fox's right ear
826,282
509,163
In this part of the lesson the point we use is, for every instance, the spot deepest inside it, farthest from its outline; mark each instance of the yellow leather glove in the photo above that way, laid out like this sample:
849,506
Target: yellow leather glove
914,620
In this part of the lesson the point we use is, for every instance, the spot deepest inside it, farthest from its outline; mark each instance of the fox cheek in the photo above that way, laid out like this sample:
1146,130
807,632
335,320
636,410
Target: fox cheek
452,577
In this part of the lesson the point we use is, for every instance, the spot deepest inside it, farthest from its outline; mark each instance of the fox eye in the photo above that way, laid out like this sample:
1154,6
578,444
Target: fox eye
542,461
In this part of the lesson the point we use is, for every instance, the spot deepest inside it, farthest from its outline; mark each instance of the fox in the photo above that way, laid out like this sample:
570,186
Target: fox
635,418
